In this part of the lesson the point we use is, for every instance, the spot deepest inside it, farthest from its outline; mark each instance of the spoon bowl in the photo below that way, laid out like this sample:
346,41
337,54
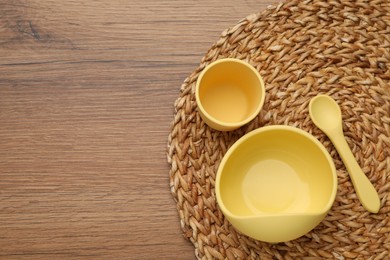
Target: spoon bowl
325,113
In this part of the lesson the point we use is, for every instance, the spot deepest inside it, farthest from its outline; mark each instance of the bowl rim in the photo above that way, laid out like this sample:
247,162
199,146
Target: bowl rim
262,130
248,118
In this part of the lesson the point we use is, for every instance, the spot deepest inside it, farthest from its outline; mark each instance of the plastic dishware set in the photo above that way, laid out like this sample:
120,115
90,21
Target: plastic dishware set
276,183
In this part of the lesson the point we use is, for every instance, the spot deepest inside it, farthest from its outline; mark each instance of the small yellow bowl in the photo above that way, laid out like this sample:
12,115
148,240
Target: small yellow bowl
229,94
276,183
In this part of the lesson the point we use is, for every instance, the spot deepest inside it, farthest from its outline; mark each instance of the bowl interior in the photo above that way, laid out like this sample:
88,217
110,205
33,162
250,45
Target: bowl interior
230,91
277,171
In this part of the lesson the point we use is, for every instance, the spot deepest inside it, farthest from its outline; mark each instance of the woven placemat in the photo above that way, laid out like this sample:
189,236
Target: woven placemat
301,48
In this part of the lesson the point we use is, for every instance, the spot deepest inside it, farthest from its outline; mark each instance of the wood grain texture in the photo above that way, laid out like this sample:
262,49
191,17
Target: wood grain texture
86,100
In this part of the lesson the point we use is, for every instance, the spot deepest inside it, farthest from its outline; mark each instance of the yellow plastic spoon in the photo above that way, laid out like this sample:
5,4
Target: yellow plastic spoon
326,115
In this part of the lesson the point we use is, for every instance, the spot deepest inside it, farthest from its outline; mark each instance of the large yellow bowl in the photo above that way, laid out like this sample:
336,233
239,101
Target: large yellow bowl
276,183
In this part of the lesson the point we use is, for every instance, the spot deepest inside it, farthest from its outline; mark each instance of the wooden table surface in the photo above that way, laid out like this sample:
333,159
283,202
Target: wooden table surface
86,101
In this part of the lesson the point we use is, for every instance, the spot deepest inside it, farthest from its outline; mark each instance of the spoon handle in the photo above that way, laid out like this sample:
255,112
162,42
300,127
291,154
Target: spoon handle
363,187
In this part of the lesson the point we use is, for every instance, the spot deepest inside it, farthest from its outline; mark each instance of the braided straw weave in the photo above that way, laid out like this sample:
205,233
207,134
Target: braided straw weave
301,48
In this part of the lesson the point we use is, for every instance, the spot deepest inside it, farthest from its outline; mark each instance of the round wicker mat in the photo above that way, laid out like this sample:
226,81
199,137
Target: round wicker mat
301,48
